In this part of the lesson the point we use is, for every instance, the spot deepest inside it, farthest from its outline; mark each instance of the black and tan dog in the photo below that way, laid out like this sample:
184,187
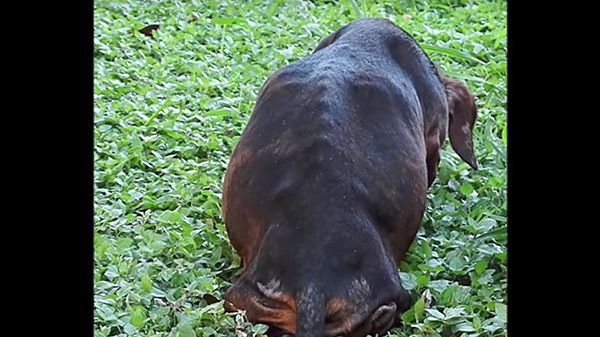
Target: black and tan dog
326,188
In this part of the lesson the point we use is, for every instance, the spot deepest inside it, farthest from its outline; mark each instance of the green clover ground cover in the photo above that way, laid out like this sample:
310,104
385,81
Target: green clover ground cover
169,108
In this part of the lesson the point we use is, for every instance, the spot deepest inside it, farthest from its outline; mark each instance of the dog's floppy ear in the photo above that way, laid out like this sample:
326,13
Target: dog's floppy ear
326,41
462,112
329,39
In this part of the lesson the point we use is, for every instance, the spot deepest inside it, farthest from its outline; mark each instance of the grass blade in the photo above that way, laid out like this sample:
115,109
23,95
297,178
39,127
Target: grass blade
451,52
496,233
357,11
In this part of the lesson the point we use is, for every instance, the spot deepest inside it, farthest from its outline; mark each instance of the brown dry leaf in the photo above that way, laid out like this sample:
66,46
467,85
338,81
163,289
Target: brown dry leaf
193,18
149,29
210,299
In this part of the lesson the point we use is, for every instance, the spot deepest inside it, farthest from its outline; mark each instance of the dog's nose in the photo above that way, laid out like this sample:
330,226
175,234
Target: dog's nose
383,318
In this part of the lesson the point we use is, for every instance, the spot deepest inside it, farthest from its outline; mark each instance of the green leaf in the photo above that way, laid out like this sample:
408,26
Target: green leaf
100,245
157,292
480,266
455,260
427,250
408,280
273,7
408,316
129,329
419,308
485,277
466,188
464,327
123,244
259,329
219,113
170,217
185,330
137,316
500,309
227,21
493,325
435,313
434,262
146,283
486,224
438,285
454,312
422,280
111,272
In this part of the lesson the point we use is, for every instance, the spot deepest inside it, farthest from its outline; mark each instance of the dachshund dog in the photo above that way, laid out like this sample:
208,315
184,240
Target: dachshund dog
326,188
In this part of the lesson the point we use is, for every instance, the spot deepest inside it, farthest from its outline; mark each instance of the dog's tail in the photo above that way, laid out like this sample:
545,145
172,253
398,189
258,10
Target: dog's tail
310,312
